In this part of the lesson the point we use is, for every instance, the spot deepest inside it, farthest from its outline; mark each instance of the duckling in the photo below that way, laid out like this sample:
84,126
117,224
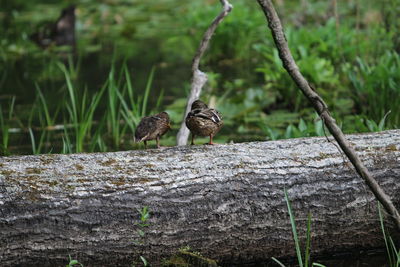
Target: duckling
152,127
203,121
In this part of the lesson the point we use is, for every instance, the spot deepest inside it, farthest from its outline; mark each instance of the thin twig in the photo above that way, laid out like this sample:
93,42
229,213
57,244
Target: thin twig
199,78
291,67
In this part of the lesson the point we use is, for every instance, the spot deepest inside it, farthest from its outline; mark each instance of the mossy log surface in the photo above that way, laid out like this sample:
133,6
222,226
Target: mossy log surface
224,201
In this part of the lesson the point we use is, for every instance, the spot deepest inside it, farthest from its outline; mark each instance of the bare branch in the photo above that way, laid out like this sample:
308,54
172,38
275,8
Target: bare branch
199,78
290,65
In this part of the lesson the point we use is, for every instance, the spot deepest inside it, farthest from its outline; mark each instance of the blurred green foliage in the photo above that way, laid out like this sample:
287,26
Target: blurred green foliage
133,58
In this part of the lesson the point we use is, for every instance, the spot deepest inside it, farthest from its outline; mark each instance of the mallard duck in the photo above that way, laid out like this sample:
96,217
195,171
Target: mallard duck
61,32
203,121
152,127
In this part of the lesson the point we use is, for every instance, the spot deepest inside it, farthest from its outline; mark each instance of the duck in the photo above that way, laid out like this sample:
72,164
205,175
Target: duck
203,121
61,32
152,127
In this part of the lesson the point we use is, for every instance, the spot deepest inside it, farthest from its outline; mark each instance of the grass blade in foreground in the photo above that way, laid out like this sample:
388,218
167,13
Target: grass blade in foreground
296,239
277,261
146,92
392,252
308,242
294,231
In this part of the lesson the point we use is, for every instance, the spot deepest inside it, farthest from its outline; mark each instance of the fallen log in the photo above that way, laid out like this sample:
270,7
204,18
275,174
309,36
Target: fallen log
224,201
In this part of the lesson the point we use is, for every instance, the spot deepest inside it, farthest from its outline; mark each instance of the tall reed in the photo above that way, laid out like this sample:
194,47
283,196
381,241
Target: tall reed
5,126
80,110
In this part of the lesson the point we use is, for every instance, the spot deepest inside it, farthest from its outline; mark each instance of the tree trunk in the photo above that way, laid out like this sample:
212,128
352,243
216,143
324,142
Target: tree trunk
225,201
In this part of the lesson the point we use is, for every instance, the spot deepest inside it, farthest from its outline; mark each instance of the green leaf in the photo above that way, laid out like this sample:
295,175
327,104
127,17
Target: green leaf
147,91
144,261
381,125
372,126
302,126
289,132
308,241
319,127
141,232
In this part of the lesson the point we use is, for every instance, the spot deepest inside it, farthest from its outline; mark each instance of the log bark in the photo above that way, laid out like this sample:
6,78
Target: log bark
225,201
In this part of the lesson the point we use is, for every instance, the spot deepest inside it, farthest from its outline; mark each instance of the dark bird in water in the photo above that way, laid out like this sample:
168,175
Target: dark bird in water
152,127
60,33
203,121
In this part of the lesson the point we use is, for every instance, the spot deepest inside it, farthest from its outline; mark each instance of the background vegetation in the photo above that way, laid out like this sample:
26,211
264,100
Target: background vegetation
133,59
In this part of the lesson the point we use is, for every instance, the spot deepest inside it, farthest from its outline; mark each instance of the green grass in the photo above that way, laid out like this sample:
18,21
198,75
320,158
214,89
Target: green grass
101,121
303,258
38,148
81,108
393,254
50,121
112,114
4,126
67,147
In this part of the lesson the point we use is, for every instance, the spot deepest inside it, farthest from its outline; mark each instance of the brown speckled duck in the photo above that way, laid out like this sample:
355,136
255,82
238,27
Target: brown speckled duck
203,121
152,127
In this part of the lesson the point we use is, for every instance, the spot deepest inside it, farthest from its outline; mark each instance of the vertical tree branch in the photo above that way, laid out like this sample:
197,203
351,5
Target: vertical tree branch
199,78
291,67
337,21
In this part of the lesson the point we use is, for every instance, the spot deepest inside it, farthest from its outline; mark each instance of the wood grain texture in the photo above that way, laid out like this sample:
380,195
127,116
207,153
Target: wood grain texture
225,201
